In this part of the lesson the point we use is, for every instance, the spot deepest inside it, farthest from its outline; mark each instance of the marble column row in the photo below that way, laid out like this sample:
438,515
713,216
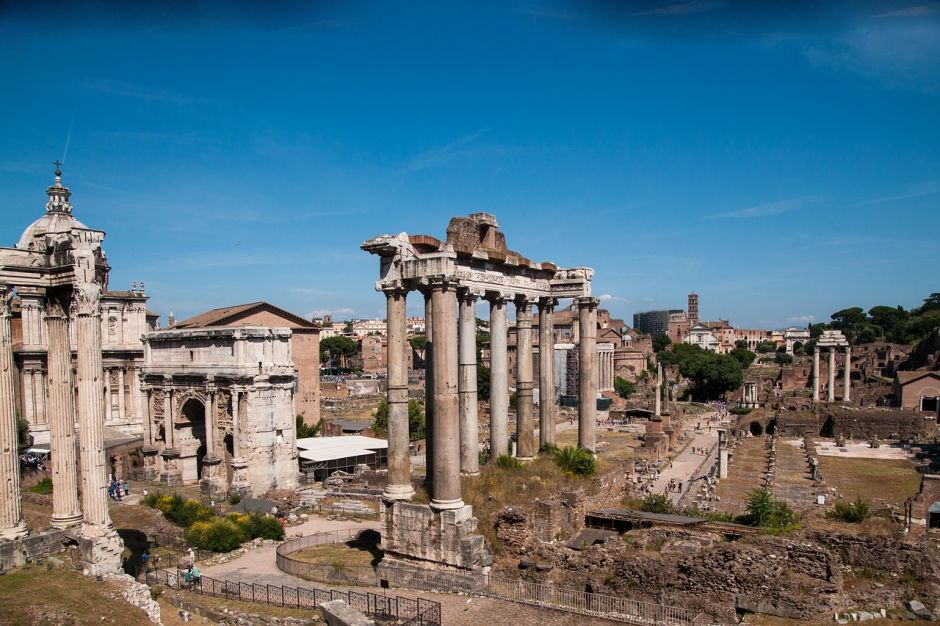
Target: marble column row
452,421
847,375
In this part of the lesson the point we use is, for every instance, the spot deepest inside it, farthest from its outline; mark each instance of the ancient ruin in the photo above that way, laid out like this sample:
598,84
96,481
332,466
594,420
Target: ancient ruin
61,264
473,262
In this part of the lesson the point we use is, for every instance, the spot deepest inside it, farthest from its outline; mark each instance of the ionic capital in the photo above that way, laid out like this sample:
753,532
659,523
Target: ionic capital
587,302
6,298
467,296
497,297
396,288
547,304
86,299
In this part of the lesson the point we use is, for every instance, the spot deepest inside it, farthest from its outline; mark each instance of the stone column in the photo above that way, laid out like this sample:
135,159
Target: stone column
546,372
169,422
525,410
209,422
108,402
446,432
831,395
236,439
122,408
499,380
659,389
399,459
816,373
467,385
66,510
428,391
12,525
587,390
722,453
149,450
847,395
101,546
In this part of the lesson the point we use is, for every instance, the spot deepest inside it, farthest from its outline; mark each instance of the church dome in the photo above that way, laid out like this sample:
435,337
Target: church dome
57,220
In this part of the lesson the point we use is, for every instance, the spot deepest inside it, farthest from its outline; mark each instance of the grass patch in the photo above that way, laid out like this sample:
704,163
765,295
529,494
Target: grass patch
44,486
888,480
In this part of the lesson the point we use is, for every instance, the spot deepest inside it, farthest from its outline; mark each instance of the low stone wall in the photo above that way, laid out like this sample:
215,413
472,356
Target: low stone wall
16,553
872,423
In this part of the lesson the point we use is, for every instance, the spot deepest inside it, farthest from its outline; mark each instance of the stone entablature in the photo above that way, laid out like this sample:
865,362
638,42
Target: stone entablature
221,409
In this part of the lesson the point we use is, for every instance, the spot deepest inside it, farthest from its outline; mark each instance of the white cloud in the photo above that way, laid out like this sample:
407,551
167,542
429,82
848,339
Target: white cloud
763,210
437,156
336,313
801,319
608,297
914,11
683,8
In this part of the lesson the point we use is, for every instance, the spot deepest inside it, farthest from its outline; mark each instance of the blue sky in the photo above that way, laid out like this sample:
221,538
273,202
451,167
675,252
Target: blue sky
781,163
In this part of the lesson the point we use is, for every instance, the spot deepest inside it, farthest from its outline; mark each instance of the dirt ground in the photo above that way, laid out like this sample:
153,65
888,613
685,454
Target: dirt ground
882,481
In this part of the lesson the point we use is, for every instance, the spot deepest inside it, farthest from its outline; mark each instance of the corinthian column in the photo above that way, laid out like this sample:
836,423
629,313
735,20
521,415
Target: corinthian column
847,395
831,394
66,510
525,418
428,391
546,372
816,373
499,380
87,306
12,525
446,451
399,460
587,386
467,384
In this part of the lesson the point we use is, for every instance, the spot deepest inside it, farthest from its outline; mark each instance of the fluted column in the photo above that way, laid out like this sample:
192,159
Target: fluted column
816,373
546,372
659,389
398,486
66,510
12,525
122,408
587,387
86,302
831,394
499,380
428,391
467,386
525,410
446,435
847,395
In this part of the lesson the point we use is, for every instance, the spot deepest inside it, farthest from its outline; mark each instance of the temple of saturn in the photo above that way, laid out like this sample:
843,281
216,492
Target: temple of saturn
833,339
472,263
64,269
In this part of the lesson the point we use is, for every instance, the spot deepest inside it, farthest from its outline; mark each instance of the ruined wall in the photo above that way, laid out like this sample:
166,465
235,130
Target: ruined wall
870,423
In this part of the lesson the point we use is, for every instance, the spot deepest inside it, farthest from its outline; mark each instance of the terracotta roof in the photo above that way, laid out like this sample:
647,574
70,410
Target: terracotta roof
227,315
909,377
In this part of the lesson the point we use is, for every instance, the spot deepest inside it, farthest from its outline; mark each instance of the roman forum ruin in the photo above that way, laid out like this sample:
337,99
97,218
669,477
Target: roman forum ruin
63,268
472,263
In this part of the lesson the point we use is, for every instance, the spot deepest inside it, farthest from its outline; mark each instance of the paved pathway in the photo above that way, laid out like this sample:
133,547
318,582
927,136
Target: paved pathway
685,466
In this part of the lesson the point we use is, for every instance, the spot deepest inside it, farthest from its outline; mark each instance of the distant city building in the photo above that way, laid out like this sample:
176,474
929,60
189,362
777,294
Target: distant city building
693,309
704,337
653,322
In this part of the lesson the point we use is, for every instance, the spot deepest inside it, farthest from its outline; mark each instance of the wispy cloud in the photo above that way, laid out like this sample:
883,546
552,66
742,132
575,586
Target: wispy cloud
606,297
342,311
545,12
682,8
802,319
308,291
129,90
931,8
919,191
763,210
438,156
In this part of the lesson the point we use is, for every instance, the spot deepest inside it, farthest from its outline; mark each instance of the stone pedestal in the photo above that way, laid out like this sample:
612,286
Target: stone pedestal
213,478
240,483
101,548
151,469
172,471
416,537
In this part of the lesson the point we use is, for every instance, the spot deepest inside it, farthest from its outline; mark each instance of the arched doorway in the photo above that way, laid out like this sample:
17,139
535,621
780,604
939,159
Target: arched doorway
192,438
771,427
756,429
229,455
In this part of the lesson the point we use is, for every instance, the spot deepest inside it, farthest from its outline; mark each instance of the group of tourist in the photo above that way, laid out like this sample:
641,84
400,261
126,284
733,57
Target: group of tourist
31,461
117,489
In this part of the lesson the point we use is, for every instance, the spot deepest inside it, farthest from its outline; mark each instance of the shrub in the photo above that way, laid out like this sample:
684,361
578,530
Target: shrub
44,486
624,387
577,461
504,461
263,526
234,499
740,410
657,503
764,511
218,535
549,449
179,511
852,512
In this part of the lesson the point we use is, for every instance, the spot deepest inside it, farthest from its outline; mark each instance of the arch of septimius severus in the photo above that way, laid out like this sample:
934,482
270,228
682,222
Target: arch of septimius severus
472,263
64,269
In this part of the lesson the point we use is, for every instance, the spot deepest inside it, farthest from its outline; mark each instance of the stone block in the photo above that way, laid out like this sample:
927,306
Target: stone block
338,613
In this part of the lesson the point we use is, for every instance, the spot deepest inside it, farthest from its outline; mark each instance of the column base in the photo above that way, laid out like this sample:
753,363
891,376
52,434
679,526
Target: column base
398,492
446,505
66,521
17,532
470,474
101,548
419,535
212,481
240,484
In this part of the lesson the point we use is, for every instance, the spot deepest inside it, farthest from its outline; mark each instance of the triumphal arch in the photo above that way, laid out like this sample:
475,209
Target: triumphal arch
63,269
473,262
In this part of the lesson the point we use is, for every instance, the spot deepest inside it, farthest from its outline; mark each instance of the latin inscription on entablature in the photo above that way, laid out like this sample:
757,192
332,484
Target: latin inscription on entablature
502,280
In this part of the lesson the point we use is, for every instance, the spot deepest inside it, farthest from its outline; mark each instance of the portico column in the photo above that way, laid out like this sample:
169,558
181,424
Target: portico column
428,392
467,384
659,389
832,374
499,380
546,372
446,432
525,411
816,373
86,301
66,510
847,395
587,387
122,409
398,486
12,525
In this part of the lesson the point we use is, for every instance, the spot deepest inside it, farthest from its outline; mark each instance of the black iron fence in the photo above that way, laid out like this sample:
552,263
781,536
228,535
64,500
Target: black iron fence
415,611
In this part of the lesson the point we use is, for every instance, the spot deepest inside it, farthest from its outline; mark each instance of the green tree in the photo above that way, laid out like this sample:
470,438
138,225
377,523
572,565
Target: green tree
849,320
336,350
816,330
764,511
766,346
624,387
483,382
713,374
782,358
304,431
931,303
657,503
888,319
742,355
415,419
661,341
418,342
